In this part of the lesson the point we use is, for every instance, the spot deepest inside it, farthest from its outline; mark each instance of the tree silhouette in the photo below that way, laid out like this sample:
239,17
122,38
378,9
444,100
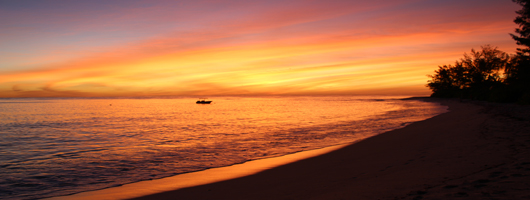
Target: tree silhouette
449,81
490,74
475,76
523,20
518,76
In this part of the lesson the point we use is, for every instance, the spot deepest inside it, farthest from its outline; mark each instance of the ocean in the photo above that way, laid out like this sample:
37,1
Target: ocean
59,146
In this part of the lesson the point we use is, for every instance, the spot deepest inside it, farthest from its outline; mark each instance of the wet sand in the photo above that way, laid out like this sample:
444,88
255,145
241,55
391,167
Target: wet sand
475,151
197,178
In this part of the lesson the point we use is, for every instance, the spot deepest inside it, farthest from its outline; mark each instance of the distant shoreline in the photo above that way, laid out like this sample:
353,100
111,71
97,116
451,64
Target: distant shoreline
202,96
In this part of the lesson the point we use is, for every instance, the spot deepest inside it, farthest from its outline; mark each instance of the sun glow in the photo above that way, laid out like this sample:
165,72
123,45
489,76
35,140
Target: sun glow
350,51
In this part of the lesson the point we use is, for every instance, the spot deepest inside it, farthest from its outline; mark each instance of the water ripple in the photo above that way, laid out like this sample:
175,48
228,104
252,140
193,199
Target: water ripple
62,146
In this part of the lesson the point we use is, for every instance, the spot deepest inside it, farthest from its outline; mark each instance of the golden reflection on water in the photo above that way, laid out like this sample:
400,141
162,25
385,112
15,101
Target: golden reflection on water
61,146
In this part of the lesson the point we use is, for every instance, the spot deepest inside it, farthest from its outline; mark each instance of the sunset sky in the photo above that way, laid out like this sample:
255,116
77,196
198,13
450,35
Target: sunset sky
63,48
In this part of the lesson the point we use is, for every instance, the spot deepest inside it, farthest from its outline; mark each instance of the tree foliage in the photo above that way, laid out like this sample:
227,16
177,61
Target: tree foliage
473,76
490,74
523,20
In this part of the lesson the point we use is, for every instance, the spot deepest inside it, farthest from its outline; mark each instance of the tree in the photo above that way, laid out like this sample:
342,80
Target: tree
518,76
475,76
490,74
523,20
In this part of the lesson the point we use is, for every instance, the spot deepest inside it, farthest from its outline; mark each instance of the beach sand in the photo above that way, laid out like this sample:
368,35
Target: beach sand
475,151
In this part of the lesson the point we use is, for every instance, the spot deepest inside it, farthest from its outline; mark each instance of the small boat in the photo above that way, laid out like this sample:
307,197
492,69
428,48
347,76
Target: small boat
202,101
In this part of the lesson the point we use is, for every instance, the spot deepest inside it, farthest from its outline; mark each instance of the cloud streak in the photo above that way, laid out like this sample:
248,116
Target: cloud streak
246,48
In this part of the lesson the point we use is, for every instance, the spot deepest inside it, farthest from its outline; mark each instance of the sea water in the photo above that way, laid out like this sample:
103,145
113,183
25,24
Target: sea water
57,146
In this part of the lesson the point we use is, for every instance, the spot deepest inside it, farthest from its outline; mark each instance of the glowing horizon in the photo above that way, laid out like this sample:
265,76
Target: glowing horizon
172,48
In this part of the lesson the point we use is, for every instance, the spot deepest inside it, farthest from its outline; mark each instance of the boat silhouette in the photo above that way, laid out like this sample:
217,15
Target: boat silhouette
202,101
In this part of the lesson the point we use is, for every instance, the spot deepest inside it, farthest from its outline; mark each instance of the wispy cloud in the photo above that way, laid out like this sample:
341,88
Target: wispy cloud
242,47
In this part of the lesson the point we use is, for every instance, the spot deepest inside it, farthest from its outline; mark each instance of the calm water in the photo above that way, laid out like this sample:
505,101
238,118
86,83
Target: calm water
52,147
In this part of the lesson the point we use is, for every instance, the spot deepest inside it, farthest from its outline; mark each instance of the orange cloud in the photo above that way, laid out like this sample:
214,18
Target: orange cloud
307,50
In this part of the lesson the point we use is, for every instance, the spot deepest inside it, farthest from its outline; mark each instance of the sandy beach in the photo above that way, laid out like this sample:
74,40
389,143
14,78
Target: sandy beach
474,151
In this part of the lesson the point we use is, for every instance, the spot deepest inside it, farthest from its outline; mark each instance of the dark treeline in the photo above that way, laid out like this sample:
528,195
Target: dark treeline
490,74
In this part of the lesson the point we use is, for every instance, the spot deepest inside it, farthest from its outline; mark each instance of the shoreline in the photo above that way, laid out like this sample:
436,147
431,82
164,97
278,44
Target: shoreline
474,151
196,178
205,176
446,156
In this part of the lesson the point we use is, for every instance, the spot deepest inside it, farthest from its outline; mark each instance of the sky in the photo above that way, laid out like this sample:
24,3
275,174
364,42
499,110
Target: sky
102,48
